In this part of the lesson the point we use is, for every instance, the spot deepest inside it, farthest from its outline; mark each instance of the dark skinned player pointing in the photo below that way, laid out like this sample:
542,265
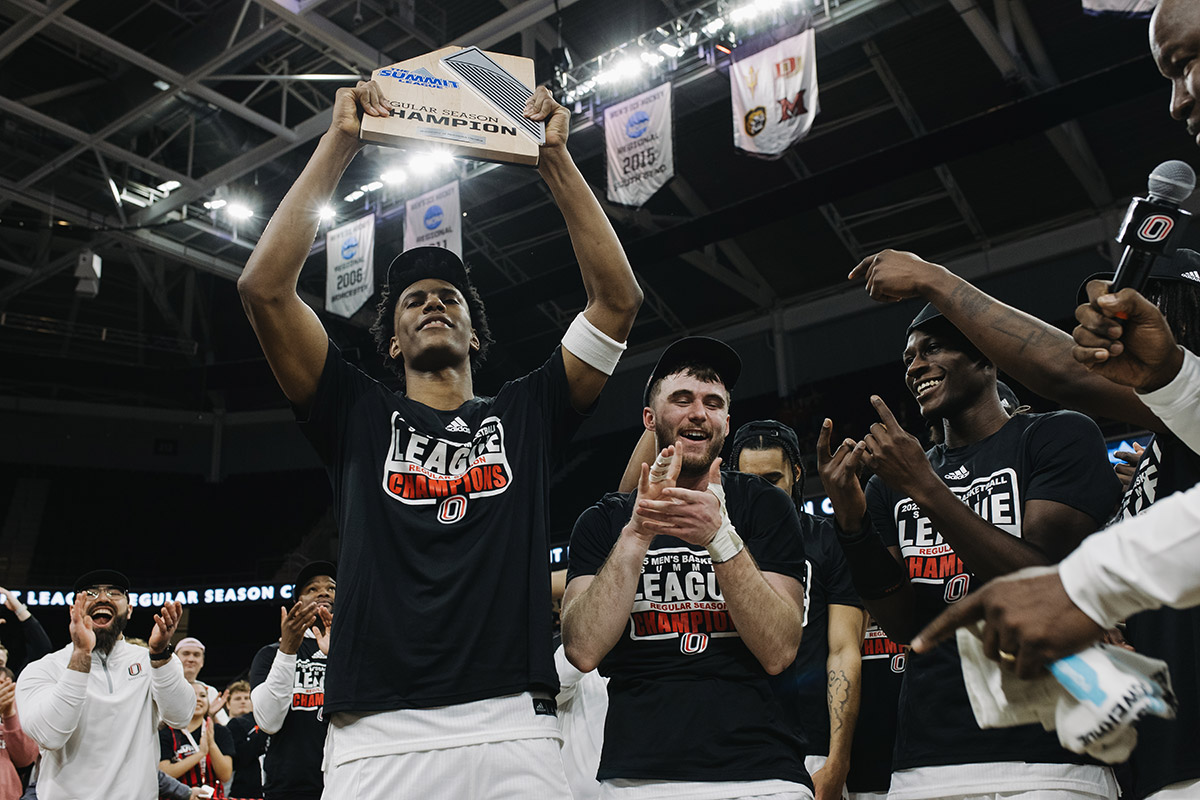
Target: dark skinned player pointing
999,494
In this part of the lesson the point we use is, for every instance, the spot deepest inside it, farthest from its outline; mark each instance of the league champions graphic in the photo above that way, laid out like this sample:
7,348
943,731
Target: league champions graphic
308,688
678,598
930,559
425,470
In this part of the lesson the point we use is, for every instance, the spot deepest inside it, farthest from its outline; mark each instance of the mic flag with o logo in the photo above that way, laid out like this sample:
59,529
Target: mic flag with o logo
350,266
639,139
434,220
775,96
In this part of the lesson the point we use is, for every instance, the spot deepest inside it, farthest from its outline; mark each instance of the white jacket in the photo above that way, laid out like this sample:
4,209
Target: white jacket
98,731
1153,559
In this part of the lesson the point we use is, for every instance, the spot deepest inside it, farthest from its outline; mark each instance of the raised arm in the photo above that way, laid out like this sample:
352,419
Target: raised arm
1034,352
842,694
290,333
596,608
643,453
613,294
877,570
51,705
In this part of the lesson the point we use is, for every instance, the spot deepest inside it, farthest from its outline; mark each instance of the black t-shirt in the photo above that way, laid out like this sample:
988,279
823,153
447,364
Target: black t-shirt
1059,457
443,574
687,698
1166,752
875,734
802,688
175,746
249,743
293,757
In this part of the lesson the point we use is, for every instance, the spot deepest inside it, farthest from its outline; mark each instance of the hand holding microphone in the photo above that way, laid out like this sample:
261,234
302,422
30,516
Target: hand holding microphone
1153,224
1121,335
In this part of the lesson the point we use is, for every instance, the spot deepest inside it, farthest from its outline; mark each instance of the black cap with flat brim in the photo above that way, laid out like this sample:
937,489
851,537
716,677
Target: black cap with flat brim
313,569
1182,267
697,350
102,577
420,263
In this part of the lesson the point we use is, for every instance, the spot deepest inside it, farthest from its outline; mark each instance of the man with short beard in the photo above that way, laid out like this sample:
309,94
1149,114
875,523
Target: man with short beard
687,594
93,707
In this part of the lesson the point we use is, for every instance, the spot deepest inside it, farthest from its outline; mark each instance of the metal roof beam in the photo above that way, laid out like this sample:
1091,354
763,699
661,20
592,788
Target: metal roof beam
1067,138
154,67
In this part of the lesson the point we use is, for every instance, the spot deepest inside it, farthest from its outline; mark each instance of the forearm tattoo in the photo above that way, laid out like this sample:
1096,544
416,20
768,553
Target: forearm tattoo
838,691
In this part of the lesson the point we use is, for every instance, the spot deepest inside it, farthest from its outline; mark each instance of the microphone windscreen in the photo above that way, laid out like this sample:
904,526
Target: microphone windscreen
1172,181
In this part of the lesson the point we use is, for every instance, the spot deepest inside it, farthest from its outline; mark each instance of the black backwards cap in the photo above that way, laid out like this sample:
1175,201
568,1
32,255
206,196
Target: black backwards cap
426,262
102,577
927,315
314,568
1182,267
699,349
771,430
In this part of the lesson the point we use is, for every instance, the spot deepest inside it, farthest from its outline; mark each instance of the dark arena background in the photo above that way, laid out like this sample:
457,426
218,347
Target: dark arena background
140,426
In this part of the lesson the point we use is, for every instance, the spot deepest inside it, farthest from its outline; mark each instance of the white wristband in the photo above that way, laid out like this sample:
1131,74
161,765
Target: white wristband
592,346
725,543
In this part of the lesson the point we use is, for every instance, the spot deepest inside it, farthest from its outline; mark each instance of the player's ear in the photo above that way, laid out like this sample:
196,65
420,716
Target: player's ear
474,340
648,418
394,348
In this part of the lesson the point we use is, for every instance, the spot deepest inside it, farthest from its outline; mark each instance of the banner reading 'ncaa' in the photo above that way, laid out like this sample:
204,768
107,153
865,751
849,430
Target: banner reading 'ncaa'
349,266
639,141
434,220
775,96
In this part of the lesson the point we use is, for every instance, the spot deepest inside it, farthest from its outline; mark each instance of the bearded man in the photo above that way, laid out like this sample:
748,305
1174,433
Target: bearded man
93,707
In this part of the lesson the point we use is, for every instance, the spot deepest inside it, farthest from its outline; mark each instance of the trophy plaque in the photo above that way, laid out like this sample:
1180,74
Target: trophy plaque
462,100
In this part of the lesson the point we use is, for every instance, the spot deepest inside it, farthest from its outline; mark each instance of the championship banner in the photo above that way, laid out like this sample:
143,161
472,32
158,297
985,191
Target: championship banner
775,96
349,266
639,141
434,220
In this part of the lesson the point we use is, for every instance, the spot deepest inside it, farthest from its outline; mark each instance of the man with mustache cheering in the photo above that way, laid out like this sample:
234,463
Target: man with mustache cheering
93,707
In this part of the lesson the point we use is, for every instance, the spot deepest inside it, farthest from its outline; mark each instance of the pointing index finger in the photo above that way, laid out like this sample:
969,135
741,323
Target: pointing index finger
861,270
885,413
964,612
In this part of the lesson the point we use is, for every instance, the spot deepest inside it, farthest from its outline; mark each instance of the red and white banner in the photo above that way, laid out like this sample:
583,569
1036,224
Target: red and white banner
775,96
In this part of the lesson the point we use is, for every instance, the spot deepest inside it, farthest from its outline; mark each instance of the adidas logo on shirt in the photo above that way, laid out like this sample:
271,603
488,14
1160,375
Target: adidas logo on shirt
458,426
958,474
1191,276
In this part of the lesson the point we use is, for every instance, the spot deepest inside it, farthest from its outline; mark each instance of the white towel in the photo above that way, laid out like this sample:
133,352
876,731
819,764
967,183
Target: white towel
1092,698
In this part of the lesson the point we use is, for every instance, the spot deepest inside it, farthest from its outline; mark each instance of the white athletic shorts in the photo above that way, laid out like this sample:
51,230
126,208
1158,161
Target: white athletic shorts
490,771
815,763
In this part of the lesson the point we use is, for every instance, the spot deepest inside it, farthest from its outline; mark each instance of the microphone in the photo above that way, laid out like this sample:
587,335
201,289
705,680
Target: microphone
1153,224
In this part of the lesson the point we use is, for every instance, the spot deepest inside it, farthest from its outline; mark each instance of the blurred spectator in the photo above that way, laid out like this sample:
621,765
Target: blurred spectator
37,643
200,754
16,749
249,743
191,652
93,707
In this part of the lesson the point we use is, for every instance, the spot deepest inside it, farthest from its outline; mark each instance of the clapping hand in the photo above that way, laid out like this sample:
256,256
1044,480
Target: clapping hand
165,623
